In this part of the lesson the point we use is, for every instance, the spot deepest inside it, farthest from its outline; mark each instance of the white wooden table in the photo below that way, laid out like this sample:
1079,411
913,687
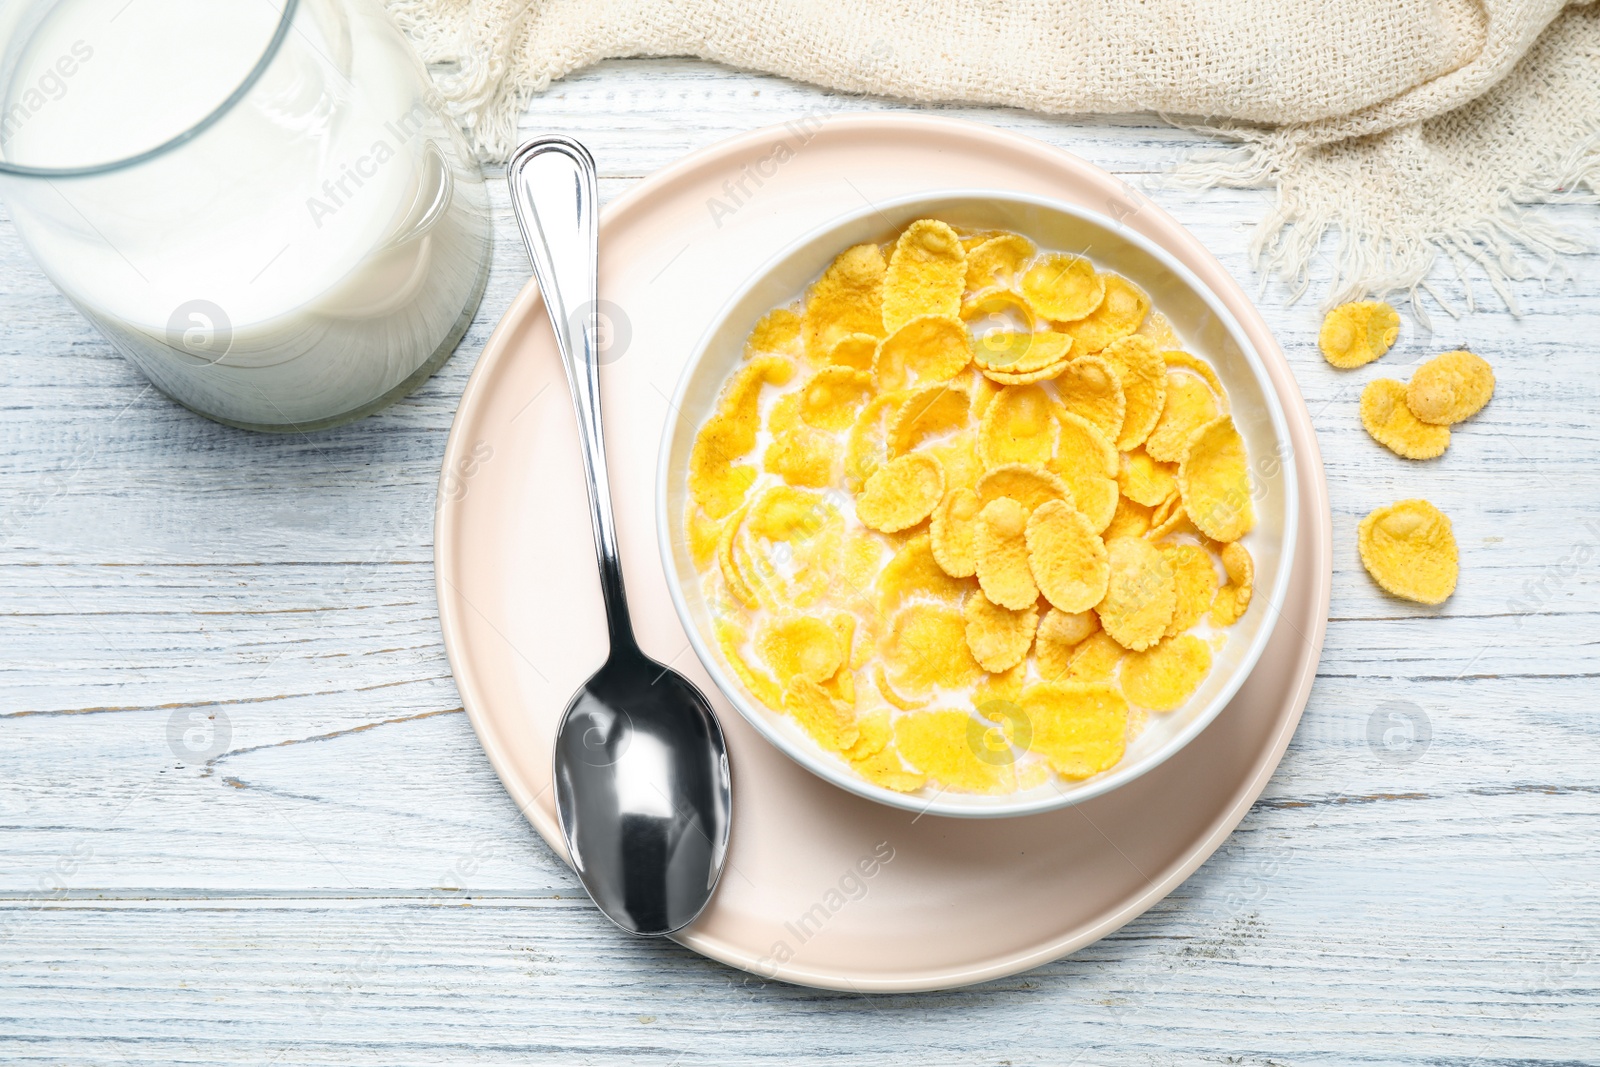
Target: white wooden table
347,883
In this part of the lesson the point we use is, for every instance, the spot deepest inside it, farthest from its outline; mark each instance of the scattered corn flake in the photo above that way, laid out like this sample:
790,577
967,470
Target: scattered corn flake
1140,596
945,745
1018,427
874,733
925,648
1233,598
1358,333
929,412
1131,519
862,559
1121,313
1177,359
1063,287
1143,376
913,572
732,575
927,274
1145,480
758,682
901,493
1190,404
854,350
1027,483
1390,422
1195,577
701,534
846,300
893,695
1001,548
829,721
1066,556
1410,550
716,482
958,456
998,637
1096,659
1002,306
1166,675
1014,357
994,694
1169,518
785,414
1450,387
777,333
1080,728
923,351
1089,389
953,533
867,445
1060,633
1087,462
996,260
799,646
1214,480
886,769
803,456
833,397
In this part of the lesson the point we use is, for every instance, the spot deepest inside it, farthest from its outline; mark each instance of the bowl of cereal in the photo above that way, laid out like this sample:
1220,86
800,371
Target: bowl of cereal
977,504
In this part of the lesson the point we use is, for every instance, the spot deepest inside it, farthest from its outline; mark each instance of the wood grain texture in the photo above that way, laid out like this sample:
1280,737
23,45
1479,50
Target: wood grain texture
344,881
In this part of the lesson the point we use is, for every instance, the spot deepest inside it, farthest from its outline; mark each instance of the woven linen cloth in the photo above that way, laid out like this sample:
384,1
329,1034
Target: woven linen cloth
1418,130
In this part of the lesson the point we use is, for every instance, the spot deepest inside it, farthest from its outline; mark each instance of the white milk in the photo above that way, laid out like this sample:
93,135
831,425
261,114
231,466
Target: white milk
317,250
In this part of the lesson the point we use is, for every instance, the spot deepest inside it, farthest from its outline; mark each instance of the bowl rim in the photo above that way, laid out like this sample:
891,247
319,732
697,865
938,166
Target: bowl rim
819,763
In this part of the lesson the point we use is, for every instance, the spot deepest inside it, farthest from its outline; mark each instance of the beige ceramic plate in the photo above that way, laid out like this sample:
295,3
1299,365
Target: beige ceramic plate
823,887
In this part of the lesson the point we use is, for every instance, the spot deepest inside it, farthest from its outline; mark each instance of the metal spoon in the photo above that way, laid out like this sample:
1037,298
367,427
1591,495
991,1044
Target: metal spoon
641,770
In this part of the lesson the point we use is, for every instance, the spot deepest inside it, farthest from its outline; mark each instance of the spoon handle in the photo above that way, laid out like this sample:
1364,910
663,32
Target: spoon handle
556,197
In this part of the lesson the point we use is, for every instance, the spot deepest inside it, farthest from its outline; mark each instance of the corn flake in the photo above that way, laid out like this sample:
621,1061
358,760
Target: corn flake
1131,519
945,745
867,445
1233,598
1028,484
1018,427
1144,480
922,351
1214,480
996,260
833,397
1390,422
1002,307
758,682
1059,634
1143,376
1356,334
701,533
953,533
1177,359
958,456
1063,287
1080,728
1121,313
926,276
1196,580
847,300
926,413
803,456
925,648
1012,357
1087,462
778,333
1190,404
1001,549
1089,389
901,493
914,573
800,646
1066,556
1166,675
830,722
1450,387
1410,550
1141,594
886,769
1096,659
998,637
855,350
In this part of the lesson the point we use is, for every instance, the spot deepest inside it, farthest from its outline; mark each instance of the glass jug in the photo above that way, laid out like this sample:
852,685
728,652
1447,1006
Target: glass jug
261,203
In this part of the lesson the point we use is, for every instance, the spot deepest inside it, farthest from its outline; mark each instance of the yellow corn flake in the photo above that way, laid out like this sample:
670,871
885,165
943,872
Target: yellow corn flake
925,350
1233,598
867,445
998,637
1001,548
926,276
1356,334
1145,480
1066,556
1214,480
1000,307
1141,595
996,260
803,456
886,769
1450,387
1143,377
701,533
1060,633
1096,659
1012,357
716,482
1063,287
914,573
993,695
1169,518
846,300
1190,404
982,390
1410,550
946,746
1080,728
777,333
854,350
889,693
1087,462
874,733
1121,313
1018,427
1089,389
830,722
833,397
926,413
1028,484
1390,422
1196,580
1131,519
925,648
901,493
783,513
1166,675
757,682
1177,359
953,533
958,456
800,646
785,414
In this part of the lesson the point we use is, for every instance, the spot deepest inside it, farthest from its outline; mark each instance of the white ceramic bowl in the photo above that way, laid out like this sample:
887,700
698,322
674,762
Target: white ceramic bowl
1199,319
